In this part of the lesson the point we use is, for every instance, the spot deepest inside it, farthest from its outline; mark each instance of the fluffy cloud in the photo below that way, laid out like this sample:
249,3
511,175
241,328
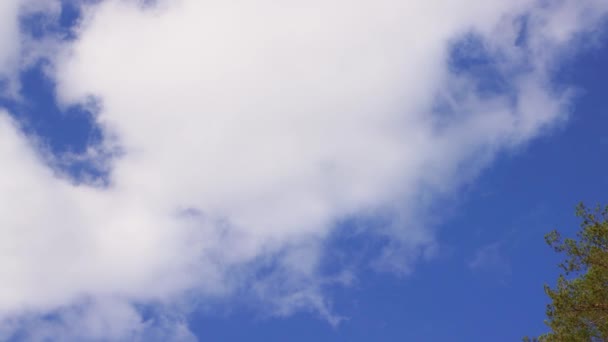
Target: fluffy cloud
242,133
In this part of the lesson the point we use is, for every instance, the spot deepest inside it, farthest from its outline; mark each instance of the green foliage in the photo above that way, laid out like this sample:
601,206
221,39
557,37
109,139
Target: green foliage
579,303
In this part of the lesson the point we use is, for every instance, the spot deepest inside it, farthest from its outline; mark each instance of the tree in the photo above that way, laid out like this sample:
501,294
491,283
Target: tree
579,303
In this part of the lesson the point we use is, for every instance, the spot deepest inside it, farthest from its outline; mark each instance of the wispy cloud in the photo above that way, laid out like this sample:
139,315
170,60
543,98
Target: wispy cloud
491,259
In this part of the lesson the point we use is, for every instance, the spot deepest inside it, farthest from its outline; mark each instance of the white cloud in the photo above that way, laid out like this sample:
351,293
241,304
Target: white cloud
105,319
249,129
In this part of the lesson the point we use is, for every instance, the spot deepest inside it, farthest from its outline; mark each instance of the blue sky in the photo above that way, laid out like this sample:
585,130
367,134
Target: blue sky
189,171
512,204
